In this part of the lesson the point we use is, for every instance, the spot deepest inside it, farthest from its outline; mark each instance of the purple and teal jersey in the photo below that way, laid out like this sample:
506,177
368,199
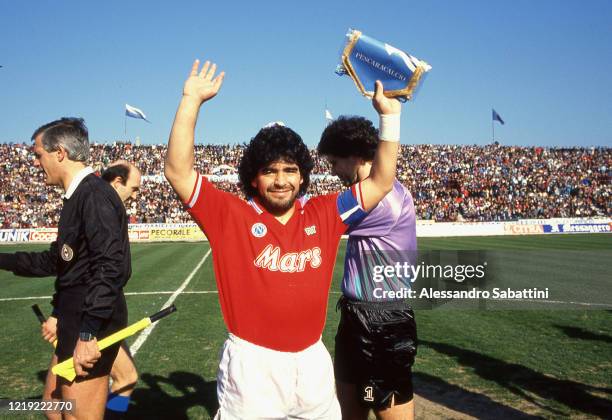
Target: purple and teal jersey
385,237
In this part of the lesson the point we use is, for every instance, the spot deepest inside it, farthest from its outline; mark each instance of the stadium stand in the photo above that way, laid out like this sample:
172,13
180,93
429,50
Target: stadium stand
448,182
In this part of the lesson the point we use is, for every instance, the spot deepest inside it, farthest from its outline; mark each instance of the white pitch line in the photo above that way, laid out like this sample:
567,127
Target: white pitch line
147,331
24,298
559,302
168,292
162,292
205,292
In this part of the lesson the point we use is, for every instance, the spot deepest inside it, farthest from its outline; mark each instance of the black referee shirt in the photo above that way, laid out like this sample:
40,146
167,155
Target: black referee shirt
92,250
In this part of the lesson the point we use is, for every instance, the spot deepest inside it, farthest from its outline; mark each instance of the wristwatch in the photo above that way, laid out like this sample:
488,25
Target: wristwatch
86,336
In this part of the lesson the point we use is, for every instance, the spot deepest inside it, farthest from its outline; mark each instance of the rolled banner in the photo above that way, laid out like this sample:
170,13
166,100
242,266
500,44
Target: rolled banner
66,370
366,60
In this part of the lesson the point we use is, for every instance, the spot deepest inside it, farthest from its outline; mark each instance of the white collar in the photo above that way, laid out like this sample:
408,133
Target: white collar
76,181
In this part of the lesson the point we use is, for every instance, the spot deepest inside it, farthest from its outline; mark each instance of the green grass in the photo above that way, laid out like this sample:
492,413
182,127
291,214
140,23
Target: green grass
550,363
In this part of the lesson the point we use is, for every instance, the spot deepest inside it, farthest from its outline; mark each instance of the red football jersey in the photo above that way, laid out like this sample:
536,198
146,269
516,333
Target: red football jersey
273,279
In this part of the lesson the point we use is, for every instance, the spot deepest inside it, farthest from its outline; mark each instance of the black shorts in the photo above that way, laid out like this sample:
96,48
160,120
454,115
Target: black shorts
375,348
69,303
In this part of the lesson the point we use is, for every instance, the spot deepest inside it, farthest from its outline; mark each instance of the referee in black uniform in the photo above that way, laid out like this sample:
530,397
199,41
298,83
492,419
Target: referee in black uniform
91,259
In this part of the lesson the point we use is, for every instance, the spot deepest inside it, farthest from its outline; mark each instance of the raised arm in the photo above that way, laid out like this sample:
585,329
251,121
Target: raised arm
380,182
179,165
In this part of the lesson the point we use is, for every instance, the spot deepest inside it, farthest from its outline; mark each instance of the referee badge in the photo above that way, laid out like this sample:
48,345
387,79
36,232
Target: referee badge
67,253
259,230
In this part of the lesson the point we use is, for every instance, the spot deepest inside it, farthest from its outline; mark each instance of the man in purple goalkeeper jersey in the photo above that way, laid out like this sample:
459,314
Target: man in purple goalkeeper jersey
376,340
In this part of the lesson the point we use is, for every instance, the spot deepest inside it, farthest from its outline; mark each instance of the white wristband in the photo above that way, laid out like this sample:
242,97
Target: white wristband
389,127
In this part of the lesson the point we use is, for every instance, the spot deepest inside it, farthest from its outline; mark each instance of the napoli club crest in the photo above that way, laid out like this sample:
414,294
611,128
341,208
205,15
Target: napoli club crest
67,253
259,230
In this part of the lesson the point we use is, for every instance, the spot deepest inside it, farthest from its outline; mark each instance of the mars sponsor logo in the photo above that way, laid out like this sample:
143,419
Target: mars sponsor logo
290,262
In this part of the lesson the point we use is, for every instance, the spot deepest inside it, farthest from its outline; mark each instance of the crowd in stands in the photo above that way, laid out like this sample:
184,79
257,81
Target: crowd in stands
448,183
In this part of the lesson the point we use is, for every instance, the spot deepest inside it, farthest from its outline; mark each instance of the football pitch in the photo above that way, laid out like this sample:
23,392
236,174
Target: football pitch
548,362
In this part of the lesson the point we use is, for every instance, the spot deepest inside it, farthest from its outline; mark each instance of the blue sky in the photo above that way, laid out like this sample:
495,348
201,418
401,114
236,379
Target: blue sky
545,66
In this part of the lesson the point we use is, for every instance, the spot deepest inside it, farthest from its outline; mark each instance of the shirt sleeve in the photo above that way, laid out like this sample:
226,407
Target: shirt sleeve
106,251
349,206
31,264
209,206
337,212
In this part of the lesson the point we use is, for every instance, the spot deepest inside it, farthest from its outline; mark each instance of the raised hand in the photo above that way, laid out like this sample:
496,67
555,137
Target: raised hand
203,85
382,104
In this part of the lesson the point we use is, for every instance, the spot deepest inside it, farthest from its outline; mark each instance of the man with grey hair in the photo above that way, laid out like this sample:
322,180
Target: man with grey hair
91,259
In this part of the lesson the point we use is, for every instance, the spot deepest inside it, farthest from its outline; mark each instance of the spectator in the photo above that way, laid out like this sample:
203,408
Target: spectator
448,182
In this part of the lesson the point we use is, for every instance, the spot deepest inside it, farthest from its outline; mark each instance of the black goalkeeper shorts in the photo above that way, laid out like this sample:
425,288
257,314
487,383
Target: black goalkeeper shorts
376,345
69,303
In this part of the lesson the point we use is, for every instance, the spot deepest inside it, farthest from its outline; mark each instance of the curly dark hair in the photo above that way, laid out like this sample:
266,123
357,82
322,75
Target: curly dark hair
269,145
349,136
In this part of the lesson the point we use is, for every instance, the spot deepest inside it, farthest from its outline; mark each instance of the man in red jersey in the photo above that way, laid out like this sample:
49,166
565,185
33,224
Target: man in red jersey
273,256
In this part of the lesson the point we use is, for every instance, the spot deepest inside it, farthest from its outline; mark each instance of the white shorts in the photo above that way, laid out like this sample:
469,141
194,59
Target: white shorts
255,382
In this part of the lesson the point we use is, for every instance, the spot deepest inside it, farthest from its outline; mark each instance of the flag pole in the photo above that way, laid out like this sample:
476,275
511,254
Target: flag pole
326,122
492,127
